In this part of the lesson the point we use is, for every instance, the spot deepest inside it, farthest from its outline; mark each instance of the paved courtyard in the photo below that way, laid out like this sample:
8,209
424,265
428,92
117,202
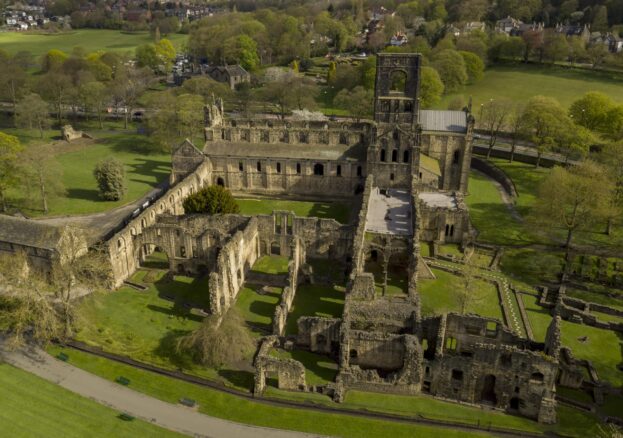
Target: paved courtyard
389,212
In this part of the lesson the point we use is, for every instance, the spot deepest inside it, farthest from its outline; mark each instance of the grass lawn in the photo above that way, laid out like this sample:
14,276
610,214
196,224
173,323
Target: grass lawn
77,161
438,296
271,265
602,347
519,82
319,369
489,214
33,407
397,279
340,211
145,324
219,404
89,39
451,249
531,266
258,309
315,300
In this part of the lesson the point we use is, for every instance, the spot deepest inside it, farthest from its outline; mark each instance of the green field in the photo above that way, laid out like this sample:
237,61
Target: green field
340,211
271,265
33,407
89,39
520,82
319,369
145,324
315,300
258,309
438,296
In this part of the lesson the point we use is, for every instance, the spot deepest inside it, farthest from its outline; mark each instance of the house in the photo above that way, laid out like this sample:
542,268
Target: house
231,74
398,39
474,25
578,30
507,25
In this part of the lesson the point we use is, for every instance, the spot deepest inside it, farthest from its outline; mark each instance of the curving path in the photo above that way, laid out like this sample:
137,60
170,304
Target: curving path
169,416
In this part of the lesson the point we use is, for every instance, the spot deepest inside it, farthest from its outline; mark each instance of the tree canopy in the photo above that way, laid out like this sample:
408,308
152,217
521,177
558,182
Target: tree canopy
211,200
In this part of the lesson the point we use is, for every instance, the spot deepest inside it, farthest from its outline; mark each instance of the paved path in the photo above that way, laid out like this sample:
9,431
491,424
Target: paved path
166,415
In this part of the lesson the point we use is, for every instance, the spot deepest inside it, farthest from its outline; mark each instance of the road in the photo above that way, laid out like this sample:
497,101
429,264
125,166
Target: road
169,416
521,148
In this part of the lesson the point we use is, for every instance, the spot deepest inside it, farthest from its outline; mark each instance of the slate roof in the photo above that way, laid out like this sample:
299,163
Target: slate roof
28,232
285,150
444,121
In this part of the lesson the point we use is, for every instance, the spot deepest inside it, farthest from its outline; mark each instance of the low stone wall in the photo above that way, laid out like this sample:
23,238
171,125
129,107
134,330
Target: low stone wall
318,334
522,158
497,174
290,372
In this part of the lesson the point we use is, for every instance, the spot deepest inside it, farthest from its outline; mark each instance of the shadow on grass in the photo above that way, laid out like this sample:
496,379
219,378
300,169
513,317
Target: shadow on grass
86,194
322,366
150,168
176,310
183,294
238,378
338,211
167,349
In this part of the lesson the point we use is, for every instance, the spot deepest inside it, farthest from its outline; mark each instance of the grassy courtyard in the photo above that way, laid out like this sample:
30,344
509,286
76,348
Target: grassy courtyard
438,296
319,369
145,324
89,39
257,306
562,83
340,211
271,265
33,407
315,300
604,348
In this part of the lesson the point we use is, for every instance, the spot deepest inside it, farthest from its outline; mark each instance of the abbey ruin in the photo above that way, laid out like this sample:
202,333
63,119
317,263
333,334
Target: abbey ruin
407,172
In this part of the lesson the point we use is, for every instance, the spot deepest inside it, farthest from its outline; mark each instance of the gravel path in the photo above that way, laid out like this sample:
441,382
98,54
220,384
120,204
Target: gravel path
169,416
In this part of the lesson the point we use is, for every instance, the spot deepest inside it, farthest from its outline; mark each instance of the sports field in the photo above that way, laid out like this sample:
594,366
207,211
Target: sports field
519,82
89,39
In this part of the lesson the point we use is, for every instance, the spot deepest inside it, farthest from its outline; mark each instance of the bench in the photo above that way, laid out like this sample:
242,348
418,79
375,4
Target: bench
126,417
123,380
188,402
63,357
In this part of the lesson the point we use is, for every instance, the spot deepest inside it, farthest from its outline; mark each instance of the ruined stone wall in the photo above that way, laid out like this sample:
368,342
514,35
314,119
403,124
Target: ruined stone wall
124,254
233,262
444,225
320,238
277,176
287,297
289,372
318,334
454,152
358,257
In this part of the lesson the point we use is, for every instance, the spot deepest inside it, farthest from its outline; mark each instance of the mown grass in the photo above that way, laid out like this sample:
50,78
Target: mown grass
340,211
88,39
519,82
319,369
33,407
257,308
145,325
315,300
271,265
219,404
439,296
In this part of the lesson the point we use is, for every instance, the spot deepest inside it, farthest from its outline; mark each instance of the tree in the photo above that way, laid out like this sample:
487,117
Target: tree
96,97
574,141
474,67
494,116
13,81
543,119
206,88
515,128
41,169
331,72
211,200
128,84
611,157
291,92
220,340
451,68
466,287
110,177
53,60
165,52
573,199
597,112
56,87
597,54
431,87
10,147
242,50
600,19
33,112
189,108
358,101
555,46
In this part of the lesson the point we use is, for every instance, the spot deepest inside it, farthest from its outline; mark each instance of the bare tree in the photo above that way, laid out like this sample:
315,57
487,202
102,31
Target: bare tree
466,287
41,169
494,116
515,128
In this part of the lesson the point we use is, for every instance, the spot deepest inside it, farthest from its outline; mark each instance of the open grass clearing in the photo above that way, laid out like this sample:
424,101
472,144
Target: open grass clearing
271,265
257,306
519,82
315,300
88,39
145,325
33,407
219,404
397,279
340,211
440,296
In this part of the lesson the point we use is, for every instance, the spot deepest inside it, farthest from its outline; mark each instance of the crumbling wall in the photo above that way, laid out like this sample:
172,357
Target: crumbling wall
287,297
234,260
360,232
318,334
290,373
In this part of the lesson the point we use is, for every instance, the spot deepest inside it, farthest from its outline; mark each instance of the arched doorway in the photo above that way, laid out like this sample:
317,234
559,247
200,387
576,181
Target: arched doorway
488,390
220,182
